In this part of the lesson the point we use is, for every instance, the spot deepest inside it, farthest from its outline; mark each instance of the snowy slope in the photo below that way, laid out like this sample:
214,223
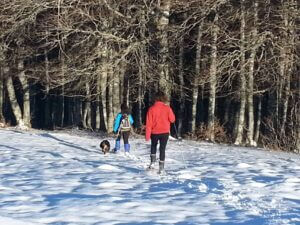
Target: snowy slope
63,178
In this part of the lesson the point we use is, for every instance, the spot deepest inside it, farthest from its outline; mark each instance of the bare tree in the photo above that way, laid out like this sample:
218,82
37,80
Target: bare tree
86,118
26,94
250,77
181,90
286,56
197,76
162,26
213,78
222,52
2,119
297,110
240,123
13,99
116,97
109,102
258,123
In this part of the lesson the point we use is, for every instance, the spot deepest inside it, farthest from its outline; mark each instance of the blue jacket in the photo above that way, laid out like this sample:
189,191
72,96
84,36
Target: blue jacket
118,121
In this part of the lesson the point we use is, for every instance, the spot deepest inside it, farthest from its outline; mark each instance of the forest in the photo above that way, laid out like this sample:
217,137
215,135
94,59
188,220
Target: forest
231,68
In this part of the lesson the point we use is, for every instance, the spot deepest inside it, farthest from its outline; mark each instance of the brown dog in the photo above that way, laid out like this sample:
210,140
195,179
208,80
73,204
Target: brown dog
105,146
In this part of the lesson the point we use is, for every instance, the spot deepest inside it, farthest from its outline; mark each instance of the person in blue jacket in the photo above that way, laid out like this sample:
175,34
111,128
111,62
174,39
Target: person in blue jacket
122,127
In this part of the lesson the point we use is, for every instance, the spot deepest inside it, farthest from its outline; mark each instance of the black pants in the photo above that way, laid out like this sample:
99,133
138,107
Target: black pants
163,140
125,135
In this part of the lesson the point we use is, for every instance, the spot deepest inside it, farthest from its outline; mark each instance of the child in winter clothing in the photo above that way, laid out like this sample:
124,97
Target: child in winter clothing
158,120
122,127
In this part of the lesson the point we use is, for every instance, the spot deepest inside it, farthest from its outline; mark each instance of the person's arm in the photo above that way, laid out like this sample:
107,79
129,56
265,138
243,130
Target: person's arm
148,125
131,119
117,122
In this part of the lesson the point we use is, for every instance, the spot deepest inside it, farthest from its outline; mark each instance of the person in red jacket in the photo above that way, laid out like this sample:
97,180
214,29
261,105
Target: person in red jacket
158,122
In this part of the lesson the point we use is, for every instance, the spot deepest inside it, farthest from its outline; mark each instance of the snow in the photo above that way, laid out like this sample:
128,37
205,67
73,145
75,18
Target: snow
64,178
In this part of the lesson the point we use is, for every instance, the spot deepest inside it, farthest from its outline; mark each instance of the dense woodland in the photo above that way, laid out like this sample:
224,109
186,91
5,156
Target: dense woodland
230,67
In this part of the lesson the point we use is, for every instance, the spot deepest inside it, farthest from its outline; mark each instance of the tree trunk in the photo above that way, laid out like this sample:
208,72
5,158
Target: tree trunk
283,63
103,89
2,120
285,101
250,83
62,95
144,60
181,91
296,7
109,103
138,122
116,102
110,118
26,94
298,115
236,116
287,57
257,130
86,118
241,118
48,122
103,86
125,89
213,80
98,100
162,25
195,91
13,99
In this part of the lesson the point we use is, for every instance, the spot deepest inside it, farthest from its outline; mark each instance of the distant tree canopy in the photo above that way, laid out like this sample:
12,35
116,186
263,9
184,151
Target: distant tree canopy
231,68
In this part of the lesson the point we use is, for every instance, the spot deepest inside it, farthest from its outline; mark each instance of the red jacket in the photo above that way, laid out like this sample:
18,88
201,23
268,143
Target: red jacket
158,119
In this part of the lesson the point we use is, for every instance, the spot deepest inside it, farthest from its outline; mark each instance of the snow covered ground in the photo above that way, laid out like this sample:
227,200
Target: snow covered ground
63,178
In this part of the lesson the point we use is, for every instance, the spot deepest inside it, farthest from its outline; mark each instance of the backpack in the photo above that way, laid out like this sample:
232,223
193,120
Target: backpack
125,123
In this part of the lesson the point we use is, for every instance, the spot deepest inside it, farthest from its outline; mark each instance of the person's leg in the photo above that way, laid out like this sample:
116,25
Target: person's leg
125,135
126,141
154,141
117,144
163,140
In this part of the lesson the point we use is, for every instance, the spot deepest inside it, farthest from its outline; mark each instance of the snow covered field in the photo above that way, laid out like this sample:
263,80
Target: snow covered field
62,178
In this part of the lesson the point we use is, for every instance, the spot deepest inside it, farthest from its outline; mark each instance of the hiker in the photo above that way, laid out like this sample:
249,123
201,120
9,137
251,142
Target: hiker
122,127
158,120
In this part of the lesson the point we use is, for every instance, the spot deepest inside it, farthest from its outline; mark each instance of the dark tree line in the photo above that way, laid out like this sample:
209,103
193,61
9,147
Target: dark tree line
230,67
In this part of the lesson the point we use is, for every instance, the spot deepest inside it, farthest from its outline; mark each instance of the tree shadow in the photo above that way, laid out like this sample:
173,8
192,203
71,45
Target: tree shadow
66,143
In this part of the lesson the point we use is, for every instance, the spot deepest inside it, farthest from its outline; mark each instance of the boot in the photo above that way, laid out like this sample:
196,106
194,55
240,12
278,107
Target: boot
127,147
117,147
153,160
161,167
